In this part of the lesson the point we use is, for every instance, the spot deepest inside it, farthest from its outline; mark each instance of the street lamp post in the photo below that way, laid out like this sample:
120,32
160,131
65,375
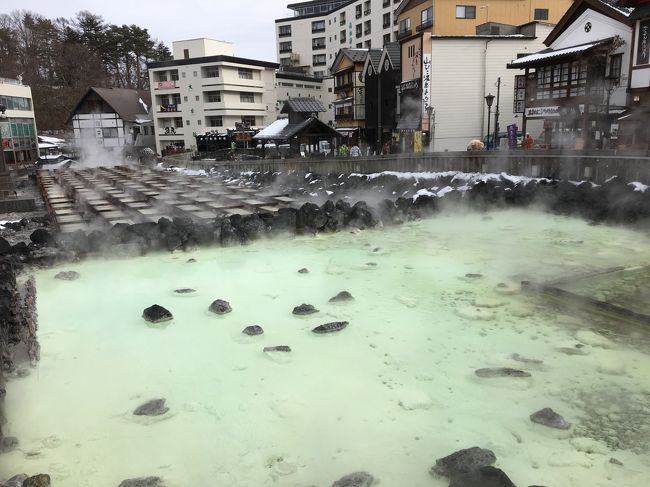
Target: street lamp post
431,112
611,82
489,98
3,163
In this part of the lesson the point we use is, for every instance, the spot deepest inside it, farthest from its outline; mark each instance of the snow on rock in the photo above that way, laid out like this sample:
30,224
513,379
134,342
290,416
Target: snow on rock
639,186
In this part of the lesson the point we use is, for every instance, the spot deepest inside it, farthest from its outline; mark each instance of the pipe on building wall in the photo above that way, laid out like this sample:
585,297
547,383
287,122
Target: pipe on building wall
484,85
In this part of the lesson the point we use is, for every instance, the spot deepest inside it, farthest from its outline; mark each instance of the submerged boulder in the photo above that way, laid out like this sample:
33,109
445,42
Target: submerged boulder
304,270
185,290
154,407
332,327
156,314
550,418
356,479
40,480
491,372
482,477
277,348
16,480
463,461
143,482
220,307
8,444
253,330
304,309
67,275
342,296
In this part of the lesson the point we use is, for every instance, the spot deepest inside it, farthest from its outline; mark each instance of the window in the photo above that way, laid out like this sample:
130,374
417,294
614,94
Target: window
541,14
386,39
359,45
197,98
405,25
173,75
318,26
284,31
386,20
211,71
342,22
319,74
195,73
186,53
212,96
368,44
185,99
214,121
426,18
161,75
366,27
245,73
411,50
465,11
285,46
318,43
358,30
178,122
248,120
357,11
183,74
187,122
366,7
343,36
176,99
16,102
109,132
615,62
319,60
247,97
198,122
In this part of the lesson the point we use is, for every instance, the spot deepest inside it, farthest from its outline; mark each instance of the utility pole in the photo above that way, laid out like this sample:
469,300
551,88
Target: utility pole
496,115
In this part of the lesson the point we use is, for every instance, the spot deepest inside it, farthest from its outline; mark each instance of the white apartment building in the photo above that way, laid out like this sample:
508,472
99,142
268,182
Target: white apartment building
17,123
294,85
206,88
311,39
460,82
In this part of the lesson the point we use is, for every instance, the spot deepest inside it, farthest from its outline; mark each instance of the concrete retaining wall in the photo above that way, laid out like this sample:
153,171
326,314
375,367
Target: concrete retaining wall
596,167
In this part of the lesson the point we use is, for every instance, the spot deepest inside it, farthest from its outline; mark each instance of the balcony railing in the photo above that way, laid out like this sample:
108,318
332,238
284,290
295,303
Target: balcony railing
358,15
165,85
404,33
316,47
319,63
425,25
284,50
284,34
342,22
366,31
315,30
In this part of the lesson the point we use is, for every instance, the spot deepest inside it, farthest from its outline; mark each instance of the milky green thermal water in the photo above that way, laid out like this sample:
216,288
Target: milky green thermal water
389,394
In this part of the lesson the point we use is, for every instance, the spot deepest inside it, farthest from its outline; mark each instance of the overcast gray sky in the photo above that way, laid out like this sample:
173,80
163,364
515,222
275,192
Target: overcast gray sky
248,24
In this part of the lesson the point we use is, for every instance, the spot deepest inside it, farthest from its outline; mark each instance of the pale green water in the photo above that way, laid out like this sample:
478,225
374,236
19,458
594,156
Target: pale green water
389,394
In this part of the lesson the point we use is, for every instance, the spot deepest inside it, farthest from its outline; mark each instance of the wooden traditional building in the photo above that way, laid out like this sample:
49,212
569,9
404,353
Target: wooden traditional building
350,92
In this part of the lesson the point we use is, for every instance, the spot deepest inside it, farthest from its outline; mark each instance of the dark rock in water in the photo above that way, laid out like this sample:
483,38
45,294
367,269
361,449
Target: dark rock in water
572,351
371,264
253,330
304,309
67,275
501,372
525,360
5,247
615,461
16,480
277,348
342,296
156,314
143,482
304,270
463,461
471,275
185,290
330,327
40,236
482,477
190,261
356,479
155,407
8,443
220,307
550,418
40,480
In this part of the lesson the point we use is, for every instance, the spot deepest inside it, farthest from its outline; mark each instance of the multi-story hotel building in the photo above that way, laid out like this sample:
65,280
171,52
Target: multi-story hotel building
205,87
17,122
310,40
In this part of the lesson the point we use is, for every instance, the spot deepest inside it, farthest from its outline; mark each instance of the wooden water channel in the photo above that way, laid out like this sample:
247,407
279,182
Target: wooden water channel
105,196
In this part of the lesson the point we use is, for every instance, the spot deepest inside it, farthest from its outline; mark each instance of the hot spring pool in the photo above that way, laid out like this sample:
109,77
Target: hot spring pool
389,394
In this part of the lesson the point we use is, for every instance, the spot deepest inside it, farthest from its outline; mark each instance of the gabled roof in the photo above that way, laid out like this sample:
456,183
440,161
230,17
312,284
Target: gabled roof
373,59
303,105
406,4
283,130
128,104
393,53
354,55
556,54
605,7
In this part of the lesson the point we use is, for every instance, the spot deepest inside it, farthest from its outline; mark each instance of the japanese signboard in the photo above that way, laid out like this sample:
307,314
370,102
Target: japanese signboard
426,81
520,94
543,112
642,53
512,136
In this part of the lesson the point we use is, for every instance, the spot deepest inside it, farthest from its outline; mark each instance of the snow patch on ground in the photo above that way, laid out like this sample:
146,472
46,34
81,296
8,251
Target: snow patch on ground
639,186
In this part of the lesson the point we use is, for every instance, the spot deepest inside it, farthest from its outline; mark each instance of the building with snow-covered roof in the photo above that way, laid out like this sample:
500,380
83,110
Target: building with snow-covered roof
289,85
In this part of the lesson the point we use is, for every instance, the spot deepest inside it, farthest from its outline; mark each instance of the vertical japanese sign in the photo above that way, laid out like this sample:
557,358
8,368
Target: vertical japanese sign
520,94
642,53
426,81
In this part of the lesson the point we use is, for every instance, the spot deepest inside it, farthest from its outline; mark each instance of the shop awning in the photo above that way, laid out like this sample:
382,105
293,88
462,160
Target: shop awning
555,54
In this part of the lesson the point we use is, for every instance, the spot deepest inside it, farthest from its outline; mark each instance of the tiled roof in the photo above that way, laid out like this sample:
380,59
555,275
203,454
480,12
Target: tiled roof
375,57
394,54
356,55
126,102
283,130
547,54
303,105
614,4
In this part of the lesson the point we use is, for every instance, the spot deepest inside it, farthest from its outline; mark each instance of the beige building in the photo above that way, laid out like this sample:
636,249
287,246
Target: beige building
206,88
17,123
295,85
